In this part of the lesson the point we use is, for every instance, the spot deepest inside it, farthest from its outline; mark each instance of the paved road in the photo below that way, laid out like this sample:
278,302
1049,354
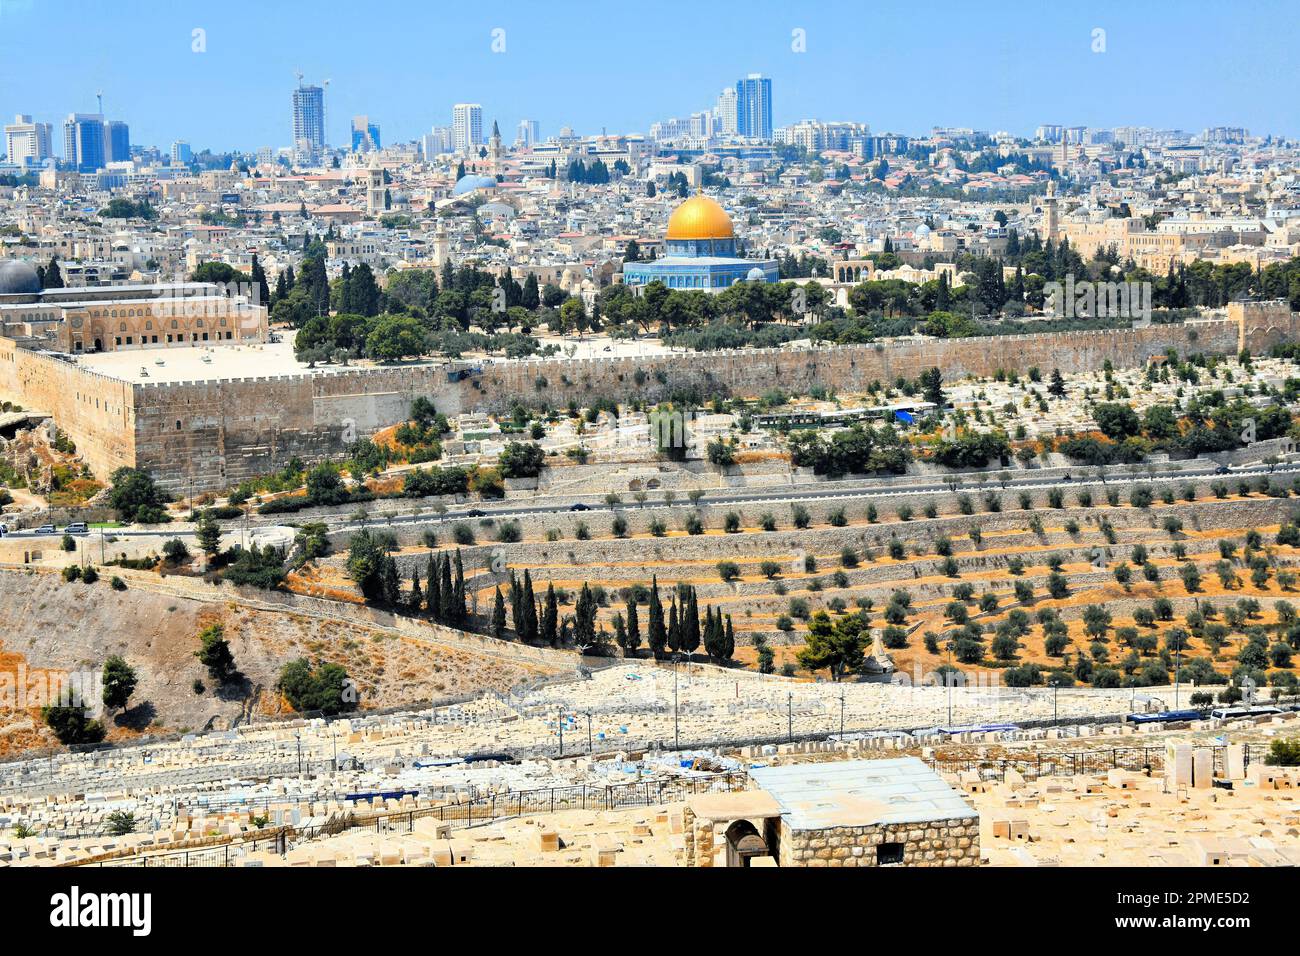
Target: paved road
773,496
820,493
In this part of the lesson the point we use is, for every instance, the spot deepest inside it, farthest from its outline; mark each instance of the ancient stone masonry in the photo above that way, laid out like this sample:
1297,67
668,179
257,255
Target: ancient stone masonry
932,843
223,431
215,433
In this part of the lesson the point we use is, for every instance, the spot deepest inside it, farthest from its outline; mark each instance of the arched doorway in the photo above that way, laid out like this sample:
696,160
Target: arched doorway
743,843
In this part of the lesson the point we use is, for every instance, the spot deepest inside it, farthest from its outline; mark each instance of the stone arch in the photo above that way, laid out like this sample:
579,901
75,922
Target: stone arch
743,843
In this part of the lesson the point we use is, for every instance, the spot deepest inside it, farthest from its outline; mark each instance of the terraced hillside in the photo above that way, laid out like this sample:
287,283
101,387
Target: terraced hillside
1113,585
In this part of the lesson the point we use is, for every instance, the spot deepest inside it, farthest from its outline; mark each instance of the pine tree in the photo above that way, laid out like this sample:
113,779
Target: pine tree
498,615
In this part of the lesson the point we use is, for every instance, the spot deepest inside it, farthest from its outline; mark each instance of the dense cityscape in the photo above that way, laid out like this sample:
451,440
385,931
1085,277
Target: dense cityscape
755,489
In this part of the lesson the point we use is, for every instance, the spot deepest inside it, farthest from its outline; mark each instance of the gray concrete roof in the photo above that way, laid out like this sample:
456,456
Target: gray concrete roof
860,793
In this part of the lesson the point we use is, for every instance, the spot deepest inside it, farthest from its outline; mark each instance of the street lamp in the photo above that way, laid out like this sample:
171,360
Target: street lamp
560,724
297,736
589,750
789,705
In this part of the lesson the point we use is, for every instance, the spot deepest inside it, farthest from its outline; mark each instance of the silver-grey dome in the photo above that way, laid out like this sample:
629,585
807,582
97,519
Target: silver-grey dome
18,278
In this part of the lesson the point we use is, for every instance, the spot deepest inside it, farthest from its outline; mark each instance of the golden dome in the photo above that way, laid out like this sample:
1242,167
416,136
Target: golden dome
700,218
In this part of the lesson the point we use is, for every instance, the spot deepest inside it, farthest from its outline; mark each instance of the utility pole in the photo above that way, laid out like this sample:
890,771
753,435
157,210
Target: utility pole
589,750
560,724
676,739
789,716
841,715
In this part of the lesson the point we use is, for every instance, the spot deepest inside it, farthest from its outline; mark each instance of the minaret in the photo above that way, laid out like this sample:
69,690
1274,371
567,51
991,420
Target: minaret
1051,225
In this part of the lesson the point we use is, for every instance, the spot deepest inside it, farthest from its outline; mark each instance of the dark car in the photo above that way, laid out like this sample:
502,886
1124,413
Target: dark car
487,755
579,507
474,513
1222,470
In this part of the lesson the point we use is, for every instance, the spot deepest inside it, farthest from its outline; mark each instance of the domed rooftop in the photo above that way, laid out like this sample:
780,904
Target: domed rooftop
700,218
470,182
756,275
18,278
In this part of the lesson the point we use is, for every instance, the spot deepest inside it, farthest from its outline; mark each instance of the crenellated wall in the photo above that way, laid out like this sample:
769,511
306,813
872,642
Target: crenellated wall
96,411
217,432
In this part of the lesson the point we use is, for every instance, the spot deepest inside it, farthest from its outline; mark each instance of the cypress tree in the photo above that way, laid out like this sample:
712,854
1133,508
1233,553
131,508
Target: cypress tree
529,608
391,582
710,634
550,633
498,615
446,594
417,596
516,606
729,643
434,597
690,622
633,628
458,607
657,637
674,628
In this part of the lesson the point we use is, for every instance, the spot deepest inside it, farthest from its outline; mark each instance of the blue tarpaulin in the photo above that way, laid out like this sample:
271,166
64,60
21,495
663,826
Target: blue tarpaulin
903,416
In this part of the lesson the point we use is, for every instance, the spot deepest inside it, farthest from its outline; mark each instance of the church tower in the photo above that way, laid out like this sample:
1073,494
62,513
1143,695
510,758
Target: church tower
496,151
375,192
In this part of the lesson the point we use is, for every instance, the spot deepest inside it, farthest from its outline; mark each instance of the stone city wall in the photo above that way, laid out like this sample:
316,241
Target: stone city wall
846,368
97,412
217,432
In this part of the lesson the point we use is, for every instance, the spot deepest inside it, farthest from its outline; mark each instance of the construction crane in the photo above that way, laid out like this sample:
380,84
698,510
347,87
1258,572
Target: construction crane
99,97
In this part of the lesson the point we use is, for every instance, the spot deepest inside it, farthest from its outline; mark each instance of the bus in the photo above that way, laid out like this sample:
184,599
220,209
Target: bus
1231,713
1165,716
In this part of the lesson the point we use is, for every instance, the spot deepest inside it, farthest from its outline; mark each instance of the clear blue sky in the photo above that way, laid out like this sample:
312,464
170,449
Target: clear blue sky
899,66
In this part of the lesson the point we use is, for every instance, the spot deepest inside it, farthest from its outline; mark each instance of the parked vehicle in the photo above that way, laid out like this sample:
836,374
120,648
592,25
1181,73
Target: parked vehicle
77,527
45,529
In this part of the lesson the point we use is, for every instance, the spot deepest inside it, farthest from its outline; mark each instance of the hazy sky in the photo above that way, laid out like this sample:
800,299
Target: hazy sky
901,67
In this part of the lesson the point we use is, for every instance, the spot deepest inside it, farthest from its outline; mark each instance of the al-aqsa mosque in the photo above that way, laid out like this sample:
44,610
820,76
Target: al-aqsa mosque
700,253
